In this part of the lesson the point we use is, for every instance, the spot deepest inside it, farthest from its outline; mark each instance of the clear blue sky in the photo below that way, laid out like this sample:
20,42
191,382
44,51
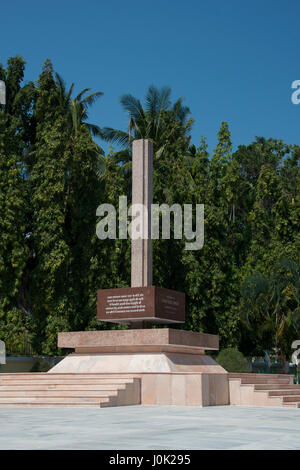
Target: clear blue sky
232,60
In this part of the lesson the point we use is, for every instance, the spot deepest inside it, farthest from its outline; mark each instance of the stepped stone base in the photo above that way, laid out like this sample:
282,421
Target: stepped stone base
170,364
163,382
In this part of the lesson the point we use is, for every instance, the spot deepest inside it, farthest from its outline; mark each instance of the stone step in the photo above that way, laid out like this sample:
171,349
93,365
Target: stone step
259,398
59,393
278,393
68,390
53,400
255,381
73,381
237,375
257,391
56,405
46,376
291,405
59,386
292,398
277,387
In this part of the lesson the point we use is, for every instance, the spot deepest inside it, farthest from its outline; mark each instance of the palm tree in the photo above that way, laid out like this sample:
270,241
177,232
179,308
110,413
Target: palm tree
158,120
76,108
76,111
273,303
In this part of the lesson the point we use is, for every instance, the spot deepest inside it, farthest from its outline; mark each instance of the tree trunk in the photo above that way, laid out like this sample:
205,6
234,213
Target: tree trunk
283,361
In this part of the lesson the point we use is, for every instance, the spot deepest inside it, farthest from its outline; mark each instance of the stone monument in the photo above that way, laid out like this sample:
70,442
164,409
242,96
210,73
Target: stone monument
142,304
170,363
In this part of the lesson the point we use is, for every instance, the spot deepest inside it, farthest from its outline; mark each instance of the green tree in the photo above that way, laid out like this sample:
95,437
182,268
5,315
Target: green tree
271,306
14,139
65,191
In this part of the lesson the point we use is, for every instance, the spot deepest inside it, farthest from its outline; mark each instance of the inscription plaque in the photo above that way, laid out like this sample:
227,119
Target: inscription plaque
135,304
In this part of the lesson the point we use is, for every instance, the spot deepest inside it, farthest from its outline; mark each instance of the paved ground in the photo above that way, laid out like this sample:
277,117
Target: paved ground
146,427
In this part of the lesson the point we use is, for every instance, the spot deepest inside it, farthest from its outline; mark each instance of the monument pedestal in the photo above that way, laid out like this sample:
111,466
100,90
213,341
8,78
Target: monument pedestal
171,364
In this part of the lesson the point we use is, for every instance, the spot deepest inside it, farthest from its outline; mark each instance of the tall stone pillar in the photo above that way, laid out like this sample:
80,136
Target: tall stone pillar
142,304
142,193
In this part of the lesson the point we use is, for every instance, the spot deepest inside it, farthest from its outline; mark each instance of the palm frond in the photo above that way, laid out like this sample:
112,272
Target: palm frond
293,318
268,325
90,99
115,136
122,157
181,112
255,285
60,83
100,166
152,101
164,98
126,169
157,100
69,93
140,128
94,129
133,106
76,114
80,95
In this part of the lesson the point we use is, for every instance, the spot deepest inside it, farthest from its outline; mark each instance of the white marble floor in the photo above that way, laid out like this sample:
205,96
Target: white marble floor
146,427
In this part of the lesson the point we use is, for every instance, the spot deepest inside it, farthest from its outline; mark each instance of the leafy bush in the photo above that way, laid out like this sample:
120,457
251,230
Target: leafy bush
233,360
41,365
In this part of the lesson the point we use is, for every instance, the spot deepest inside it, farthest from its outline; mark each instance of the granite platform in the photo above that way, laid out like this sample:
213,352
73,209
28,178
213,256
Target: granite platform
140,340
171,364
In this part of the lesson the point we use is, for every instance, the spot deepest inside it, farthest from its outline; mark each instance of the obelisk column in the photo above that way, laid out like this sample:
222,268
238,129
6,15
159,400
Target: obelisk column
142,193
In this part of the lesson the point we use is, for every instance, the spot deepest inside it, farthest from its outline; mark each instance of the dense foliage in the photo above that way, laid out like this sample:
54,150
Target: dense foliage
243,284
233,361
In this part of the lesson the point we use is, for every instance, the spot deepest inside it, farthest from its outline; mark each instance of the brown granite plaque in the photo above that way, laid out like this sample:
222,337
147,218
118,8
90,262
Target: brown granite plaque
136,304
